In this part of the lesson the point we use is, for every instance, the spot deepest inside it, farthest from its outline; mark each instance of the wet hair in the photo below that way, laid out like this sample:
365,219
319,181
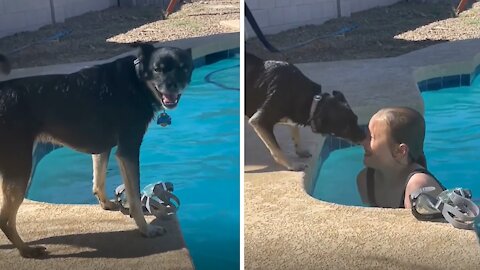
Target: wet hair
406,126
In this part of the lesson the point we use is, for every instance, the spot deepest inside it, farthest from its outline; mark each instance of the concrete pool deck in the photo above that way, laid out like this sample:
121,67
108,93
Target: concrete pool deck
286,228
87,237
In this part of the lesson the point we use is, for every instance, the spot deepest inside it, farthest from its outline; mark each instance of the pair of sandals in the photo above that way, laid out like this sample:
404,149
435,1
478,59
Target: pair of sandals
157,199
454,205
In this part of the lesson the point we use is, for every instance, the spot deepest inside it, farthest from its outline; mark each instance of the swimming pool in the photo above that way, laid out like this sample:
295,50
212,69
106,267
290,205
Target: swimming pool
198,153
452,141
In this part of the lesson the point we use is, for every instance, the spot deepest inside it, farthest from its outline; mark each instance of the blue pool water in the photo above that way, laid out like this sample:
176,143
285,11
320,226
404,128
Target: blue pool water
199,153
452,141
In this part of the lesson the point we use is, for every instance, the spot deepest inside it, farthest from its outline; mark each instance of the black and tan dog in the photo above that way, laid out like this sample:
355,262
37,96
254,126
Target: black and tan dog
276,91
91,111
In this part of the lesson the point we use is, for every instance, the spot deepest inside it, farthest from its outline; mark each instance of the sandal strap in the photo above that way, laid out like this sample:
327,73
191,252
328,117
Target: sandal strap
160,202
455,206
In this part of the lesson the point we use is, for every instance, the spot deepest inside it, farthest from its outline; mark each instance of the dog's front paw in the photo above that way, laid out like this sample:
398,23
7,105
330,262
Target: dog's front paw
297,167
109,205
303,153
153,230
33,252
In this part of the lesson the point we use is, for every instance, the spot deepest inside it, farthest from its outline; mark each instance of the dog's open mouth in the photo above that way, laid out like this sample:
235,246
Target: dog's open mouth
170,100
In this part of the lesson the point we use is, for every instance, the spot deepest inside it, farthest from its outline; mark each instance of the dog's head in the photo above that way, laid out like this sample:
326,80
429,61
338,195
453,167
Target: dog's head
166,71
334,116
4,65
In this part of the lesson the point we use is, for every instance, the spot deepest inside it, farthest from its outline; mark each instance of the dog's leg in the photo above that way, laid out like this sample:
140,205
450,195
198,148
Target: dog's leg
301,152
128,161
15,170
264,130
100,162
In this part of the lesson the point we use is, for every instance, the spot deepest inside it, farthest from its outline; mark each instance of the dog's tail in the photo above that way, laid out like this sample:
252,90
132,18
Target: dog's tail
5,67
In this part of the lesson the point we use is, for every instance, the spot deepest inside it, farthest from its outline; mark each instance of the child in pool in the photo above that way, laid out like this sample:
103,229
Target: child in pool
394,159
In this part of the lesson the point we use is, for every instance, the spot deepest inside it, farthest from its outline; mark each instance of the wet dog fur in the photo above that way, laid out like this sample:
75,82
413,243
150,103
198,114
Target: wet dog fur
278,92
91,111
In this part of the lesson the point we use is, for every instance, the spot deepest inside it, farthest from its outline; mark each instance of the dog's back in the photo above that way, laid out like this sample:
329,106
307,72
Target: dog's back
262,78
89,105
254,95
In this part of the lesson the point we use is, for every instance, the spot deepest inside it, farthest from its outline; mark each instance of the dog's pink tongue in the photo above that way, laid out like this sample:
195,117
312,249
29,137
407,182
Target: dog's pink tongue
169,98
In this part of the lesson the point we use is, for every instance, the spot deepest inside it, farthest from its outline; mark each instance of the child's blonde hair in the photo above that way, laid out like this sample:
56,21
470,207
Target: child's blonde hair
406,126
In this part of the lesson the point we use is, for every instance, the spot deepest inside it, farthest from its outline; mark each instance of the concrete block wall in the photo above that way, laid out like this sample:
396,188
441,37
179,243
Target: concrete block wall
131,3
28,15
23,15
274,16
357,6
65,9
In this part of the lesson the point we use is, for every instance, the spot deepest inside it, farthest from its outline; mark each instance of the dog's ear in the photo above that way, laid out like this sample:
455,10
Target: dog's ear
146,49
5,67
339,96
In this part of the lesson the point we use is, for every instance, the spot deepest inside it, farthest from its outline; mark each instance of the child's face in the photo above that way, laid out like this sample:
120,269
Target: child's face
377,145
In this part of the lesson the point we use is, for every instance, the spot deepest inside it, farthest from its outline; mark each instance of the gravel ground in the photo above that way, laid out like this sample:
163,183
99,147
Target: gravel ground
103,34
381,32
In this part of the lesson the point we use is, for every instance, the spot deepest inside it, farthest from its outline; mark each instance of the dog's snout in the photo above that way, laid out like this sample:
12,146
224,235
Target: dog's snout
171,85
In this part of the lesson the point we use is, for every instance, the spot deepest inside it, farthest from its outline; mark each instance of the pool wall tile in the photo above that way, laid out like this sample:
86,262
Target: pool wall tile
233,52
422,86
326,150
434,84
451,81
215,57
465,80
42,149
476,72
438,83
199,62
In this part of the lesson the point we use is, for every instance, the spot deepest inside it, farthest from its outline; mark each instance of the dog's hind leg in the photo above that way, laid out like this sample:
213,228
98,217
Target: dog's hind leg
100,162
128,161
301,152
264,130
15,166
